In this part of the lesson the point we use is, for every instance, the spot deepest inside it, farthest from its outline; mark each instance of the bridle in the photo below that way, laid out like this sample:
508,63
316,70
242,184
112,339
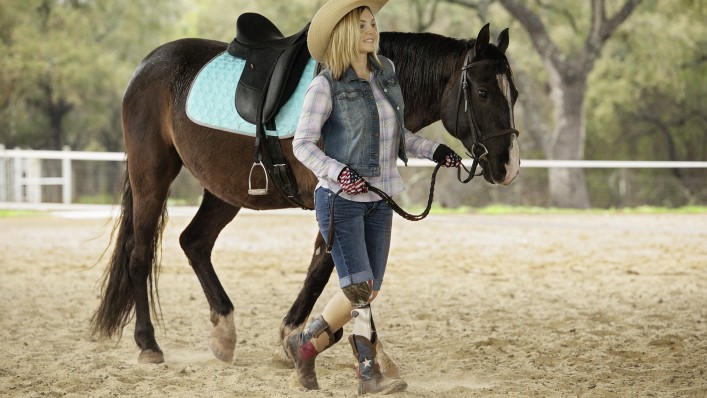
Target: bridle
477,139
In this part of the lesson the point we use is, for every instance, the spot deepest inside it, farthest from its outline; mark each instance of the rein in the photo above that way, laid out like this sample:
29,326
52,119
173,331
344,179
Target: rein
387,199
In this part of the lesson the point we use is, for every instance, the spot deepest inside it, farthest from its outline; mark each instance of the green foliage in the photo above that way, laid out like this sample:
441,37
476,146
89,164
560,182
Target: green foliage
216,19
19,213
66,64
647,94
95,199
652,77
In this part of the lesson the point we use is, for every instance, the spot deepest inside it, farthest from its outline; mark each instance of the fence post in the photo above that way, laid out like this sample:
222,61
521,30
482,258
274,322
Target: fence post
623,188
33,182
3,175
18,166
67,186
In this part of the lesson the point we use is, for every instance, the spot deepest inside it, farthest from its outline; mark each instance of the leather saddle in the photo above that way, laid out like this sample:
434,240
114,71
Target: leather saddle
274,64
273,67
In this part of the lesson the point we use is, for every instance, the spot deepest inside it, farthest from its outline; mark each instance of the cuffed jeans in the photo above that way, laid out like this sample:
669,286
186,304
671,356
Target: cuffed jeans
361,240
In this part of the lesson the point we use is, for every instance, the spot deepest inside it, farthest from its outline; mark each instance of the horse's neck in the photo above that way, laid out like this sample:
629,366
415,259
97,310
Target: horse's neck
422,107
423,88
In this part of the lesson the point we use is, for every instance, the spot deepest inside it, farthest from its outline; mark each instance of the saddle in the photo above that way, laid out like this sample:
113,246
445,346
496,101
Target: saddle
274,65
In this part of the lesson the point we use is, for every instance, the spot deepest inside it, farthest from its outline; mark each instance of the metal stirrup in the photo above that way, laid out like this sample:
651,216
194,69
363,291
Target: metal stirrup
259,191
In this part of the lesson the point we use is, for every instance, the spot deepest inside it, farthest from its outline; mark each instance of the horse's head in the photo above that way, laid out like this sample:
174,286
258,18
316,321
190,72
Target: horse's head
485,94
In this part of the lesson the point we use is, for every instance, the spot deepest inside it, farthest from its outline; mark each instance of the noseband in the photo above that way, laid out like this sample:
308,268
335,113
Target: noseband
477,139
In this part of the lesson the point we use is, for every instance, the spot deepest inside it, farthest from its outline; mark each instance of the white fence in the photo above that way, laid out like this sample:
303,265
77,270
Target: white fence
22,172
21,178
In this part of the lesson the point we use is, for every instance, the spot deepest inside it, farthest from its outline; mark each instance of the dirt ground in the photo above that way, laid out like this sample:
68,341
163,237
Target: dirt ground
485,306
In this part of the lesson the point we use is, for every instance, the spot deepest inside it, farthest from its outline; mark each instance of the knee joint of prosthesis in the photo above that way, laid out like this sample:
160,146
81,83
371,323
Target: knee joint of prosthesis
359,295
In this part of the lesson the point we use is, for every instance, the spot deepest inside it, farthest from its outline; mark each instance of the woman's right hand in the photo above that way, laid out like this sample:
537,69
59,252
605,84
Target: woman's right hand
351,182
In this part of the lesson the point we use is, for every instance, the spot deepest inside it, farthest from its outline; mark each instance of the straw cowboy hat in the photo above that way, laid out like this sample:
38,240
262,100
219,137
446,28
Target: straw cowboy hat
326,19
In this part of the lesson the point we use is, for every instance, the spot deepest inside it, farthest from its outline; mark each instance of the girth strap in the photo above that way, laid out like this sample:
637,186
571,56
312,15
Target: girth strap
280,170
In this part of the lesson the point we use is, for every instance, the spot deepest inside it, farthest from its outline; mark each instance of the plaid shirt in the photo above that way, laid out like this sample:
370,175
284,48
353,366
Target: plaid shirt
316,110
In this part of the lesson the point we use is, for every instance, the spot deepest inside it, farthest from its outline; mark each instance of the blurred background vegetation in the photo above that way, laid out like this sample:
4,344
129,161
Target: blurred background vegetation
619,80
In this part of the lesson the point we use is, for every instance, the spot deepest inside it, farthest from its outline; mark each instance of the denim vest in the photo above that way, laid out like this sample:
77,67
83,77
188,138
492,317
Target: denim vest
351,135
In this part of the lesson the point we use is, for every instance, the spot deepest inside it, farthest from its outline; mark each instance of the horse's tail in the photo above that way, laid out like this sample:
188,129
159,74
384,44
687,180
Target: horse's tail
117,293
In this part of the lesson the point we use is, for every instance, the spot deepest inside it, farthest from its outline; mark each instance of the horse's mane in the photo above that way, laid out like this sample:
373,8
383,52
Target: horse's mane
425,62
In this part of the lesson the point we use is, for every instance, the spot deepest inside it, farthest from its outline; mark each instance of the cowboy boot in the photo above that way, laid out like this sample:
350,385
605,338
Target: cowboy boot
298,345
371,380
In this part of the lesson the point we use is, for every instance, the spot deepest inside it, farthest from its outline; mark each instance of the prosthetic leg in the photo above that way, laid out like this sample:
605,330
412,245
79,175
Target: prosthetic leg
363,343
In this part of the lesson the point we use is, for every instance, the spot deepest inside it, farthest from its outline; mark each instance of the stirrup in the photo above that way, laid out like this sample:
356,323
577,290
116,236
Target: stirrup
258,191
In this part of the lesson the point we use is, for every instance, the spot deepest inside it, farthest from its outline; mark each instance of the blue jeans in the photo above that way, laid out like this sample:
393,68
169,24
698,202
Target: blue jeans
361,239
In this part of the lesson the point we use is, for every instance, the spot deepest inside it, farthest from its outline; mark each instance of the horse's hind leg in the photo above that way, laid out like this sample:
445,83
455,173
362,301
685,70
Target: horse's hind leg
197,241
150,177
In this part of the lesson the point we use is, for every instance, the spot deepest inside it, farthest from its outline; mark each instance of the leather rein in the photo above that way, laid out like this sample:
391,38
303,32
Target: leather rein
477,142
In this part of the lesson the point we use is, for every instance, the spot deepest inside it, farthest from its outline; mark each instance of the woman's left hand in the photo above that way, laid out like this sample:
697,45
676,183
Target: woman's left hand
446,156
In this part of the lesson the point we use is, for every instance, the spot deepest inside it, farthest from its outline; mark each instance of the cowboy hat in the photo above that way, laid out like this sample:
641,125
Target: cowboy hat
326,19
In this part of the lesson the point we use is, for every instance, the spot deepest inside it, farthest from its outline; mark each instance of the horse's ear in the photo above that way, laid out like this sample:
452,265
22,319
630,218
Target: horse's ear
502,41
482,40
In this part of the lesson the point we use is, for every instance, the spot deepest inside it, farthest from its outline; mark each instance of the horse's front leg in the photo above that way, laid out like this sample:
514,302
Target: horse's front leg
198,241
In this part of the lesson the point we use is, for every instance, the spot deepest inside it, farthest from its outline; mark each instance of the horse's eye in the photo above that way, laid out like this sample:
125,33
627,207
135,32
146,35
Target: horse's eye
484,94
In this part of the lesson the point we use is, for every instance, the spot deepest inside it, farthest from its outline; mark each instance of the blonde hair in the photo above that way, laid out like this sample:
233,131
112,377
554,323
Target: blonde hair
344,42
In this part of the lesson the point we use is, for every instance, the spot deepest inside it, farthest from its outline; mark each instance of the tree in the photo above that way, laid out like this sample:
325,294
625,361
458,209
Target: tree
646,99
66,64
568,66
216,19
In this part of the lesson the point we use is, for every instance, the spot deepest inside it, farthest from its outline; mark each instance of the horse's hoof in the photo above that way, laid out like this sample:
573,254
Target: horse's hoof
294,382
223,350
222,340
387,366
280,360
150,356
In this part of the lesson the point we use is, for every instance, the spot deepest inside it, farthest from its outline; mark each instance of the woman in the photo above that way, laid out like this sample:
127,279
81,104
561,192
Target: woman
355,107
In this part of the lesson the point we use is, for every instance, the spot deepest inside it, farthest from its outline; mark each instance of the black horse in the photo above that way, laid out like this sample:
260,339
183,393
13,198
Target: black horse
160,139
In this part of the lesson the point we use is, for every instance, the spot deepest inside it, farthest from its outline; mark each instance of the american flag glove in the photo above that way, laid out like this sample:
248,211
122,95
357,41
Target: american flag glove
446,156
351,182
452,160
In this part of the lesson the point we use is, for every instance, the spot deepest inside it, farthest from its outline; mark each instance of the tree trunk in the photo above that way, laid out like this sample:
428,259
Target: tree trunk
56,111
568,187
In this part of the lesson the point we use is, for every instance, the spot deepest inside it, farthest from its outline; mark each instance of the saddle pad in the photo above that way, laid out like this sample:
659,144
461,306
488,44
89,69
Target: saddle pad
211,101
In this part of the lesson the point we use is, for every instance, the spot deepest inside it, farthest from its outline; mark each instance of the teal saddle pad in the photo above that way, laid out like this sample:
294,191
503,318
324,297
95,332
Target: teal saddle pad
211,101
